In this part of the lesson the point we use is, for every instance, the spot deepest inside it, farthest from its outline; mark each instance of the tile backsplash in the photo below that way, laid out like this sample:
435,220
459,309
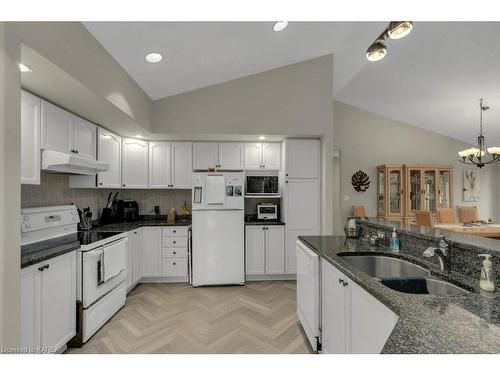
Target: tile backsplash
54,190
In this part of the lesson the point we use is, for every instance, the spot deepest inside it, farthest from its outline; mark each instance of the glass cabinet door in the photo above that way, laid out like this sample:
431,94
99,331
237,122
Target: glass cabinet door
414,192
395,188
430,190
444,189
381,192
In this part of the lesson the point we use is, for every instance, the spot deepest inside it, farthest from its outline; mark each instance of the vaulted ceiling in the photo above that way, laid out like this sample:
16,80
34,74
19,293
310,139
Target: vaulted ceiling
433,78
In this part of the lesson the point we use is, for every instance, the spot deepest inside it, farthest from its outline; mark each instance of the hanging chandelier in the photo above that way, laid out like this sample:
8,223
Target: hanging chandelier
480,155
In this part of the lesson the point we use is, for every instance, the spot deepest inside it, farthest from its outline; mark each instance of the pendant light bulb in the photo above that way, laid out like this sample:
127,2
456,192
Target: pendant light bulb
399,29
376,51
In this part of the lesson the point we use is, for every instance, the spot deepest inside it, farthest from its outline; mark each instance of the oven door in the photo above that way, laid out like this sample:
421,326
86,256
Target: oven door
93,271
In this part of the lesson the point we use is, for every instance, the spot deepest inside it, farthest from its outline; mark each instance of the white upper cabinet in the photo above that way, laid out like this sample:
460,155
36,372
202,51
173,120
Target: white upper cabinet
260,156
302,204
30,138
271,156
170,165
253,156
159,165
84,138
109,150
63,131
205,155
57,128
223,156
182,161
231,156
135,157
302,158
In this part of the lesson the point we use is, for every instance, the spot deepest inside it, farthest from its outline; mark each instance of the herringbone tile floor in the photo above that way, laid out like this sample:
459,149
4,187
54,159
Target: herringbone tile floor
259,317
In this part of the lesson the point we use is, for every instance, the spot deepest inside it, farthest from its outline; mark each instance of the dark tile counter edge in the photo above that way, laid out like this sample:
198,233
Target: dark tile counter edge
263,222
46,254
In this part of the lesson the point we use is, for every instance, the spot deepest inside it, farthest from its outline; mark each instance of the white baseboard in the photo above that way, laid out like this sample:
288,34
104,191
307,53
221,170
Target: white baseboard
286,276
163,279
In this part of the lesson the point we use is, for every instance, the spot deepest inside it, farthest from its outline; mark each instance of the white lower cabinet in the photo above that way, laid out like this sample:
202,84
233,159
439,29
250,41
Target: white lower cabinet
174,253
151,251
48,303
134,257
265,249
353,321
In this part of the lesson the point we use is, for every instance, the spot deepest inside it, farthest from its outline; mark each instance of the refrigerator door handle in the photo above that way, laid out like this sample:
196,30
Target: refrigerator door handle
190,257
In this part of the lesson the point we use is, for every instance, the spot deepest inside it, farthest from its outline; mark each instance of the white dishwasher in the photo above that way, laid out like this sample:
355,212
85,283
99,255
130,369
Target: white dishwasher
308,292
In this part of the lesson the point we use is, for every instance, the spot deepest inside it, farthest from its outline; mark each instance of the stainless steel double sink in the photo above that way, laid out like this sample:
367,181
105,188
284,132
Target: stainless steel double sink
381,267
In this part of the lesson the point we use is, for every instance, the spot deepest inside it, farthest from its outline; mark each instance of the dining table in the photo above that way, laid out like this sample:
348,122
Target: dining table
490,230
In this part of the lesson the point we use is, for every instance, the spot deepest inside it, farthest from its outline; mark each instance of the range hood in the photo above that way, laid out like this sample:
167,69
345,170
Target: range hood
61,162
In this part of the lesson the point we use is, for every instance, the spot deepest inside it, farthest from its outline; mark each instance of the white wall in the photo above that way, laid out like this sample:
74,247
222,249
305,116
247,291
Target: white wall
73,49
294,100
367,140
10,201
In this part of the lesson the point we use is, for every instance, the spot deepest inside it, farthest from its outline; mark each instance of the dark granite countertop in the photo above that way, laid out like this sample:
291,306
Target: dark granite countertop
465,323
44,250
251,219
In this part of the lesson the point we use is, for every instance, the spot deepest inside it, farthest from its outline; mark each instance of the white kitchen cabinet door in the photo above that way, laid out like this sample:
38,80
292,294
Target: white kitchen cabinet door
159,165
30,138
205,155
231,156
30,307
253,156
58,301
151,251
271,156
370,323
57,128
182,165
137,256
302,158
84,138
333,310
135,157
302,204
275,249
255,249
109,150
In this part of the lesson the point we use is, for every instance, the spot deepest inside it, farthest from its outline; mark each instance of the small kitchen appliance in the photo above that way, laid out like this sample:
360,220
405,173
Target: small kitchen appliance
262,185
267,211
128,210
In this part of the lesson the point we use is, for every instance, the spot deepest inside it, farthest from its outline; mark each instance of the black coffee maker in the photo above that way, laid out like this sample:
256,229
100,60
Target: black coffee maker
128,210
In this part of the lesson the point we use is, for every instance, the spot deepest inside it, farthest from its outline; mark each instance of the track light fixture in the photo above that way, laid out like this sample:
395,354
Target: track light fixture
395,30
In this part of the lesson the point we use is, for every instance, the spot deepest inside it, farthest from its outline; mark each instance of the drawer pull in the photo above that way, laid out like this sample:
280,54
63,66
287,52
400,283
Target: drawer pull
174,263
175,231
175,241
175,253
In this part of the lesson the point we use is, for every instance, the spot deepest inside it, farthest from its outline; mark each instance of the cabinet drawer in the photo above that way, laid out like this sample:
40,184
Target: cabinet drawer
174,252
174,231
174,242
174,267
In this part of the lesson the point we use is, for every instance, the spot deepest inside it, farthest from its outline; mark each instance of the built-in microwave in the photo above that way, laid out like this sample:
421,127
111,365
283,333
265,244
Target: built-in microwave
262,185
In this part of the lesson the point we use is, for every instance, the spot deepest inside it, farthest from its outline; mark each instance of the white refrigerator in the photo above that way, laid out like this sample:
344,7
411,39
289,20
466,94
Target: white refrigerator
218,254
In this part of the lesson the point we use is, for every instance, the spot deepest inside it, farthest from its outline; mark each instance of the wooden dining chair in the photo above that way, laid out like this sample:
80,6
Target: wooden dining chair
468,214
446,216
359,212
423,218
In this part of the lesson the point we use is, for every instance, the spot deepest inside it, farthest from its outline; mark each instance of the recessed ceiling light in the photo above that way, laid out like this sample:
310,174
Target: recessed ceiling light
138,136
25,68
262,137
280,26
154,57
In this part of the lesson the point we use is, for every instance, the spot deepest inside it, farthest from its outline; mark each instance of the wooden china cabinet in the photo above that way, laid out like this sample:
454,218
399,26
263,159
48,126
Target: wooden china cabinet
403,188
